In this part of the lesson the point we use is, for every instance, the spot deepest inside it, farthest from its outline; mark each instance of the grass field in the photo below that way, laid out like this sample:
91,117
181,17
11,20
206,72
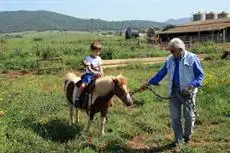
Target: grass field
19,51
34,115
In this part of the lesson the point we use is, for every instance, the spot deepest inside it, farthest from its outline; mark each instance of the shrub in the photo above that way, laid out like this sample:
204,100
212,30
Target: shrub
107,54
37,39
74,62
206,48
3,41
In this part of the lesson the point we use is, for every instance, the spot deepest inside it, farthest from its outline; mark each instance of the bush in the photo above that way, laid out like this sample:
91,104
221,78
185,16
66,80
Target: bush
206,48
3,41
74,62
107,54
37,39
48,52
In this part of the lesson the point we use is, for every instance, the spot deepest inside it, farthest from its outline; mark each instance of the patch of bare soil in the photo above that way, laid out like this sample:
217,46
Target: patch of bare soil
169,134
123,62
197,142
136,143
16,73
2,113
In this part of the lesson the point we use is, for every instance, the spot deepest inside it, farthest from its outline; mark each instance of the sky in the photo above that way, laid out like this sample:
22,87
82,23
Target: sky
119,10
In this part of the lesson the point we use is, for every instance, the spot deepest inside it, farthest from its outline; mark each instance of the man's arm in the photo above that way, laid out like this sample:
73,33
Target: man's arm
159,76
198,73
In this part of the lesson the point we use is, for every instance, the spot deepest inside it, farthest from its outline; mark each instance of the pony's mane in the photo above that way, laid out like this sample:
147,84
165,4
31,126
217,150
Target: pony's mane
122,80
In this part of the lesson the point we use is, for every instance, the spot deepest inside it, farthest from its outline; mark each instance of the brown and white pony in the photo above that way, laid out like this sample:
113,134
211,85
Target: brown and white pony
100,100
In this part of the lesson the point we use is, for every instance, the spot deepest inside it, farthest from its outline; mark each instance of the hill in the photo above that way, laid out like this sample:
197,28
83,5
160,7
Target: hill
16,21
178,21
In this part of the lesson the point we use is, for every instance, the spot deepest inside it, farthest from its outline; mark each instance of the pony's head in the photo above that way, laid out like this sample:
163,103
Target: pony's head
121,91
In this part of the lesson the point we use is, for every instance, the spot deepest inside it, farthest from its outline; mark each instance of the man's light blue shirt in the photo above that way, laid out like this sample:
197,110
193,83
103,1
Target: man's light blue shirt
196,82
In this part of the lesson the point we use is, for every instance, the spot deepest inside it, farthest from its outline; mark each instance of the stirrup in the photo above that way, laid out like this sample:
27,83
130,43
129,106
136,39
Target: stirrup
77,103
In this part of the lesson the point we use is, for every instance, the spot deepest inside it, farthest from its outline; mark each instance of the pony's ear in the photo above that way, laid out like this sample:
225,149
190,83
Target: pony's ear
121,80
116,81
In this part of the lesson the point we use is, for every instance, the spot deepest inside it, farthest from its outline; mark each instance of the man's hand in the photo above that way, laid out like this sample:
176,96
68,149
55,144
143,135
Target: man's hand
187,90
144,86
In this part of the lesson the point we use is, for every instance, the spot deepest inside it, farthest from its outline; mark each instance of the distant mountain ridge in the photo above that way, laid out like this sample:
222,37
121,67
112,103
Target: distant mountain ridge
16,21
180,21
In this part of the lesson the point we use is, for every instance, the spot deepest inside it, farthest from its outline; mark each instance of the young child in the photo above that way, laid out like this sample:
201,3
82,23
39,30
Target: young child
94,69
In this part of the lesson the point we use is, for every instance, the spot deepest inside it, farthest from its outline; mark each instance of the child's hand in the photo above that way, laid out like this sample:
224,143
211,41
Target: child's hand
98,75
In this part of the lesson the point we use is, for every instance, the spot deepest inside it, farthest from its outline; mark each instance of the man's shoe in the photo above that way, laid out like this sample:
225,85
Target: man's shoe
187,139
180,143
177,145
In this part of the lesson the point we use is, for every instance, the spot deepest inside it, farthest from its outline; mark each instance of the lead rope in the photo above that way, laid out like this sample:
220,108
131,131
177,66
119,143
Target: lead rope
150,89
157,95
192,106
190,103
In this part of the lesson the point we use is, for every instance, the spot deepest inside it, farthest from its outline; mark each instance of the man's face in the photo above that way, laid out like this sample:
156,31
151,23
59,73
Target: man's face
175,52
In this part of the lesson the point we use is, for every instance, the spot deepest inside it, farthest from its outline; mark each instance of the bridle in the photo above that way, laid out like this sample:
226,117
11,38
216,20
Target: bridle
114,90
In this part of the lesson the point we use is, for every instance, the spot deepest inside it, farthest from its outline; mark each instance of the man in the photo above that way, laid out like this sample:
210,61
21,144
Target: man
185,75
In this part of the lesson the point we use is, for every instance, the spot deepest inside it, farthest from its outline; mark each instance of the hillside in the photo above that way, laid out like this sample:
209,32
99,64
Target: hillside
15,21
178,21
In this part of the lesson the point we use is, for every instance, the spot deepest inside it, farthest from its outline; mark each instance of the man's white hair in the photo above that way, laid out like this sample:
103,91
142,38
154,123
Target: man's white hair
177,43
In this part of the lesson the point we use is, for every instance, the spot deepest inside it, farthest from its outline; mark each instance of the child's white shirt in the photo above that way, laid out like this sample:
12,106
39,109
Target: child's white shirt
94,63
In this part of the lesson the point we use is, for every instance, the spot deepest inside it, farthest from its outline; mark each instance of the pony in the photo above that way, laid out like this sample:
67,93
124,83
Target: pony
100,98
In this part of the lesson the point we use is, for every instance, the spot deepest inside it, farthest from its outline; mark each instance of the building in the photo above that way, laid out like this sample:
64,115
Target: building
210,16
217,30
198,16
222,15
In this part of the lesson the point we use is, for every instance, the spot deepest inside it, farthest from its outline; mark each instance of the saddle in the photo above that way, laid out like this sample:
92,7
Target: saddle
84,98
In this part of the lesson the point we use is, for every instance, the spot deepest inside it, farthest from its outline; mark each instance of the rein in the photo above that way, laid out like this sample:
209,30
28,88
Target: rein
156,94
161,97
150,89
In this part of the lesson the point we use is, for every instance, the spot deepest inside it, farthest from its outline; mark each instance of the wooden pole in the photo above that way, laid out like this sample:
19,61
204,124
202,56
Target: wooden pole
224,35
212,32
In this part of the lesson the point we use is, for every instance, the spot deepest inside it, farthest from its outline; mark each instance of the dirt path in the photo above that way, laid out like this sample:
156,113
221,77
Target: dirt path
123,62
112,63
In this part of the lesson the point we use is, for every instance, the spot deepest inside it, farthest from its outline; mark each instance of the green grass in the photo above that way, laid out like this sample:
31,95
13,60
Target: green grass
36,115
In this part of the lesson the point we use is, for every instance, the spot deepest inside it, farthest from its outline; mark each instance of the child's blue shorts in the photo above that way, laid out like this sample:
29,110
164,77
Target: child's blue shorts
87,78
